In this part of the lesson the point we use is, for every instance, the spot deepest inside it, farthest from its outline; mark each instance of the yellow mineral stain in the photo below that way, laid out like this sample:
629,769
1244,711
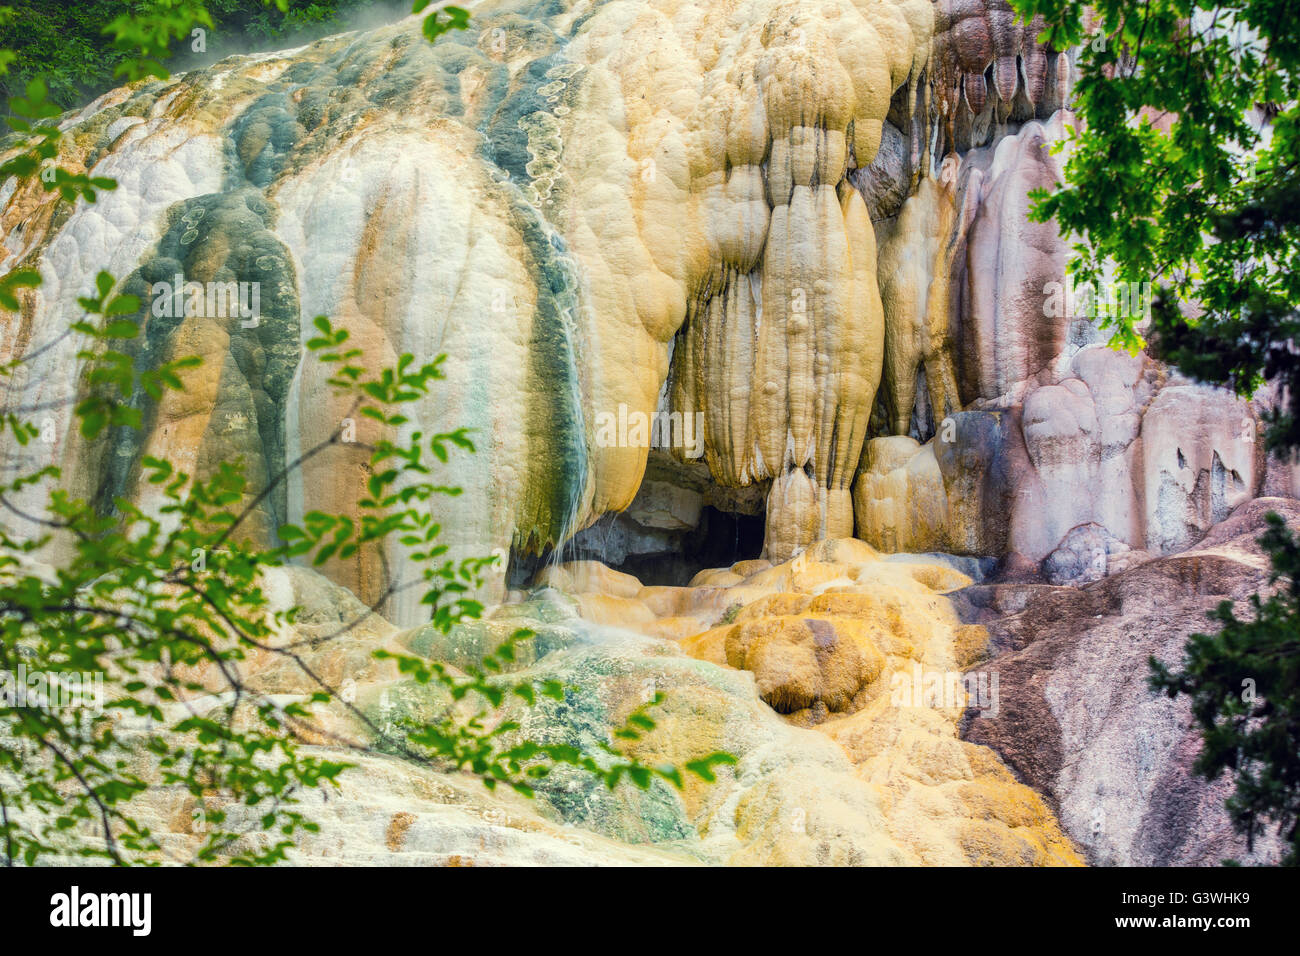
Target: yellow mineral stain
832,638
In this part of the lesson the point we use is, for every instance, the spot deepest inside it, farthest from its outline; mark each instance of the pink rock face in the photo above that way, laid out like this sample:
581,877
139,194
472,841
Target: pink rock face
1076,719
1201,460
1153,467
1060,429
1082,459
1011,264
1098,438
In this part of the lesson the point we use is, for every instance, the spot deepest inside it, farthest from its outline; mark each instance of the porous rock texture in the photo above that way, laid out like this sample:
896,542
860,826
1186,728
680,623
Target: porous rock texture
981,40
795,235
880,784
851,772
547,199
1077,721
605,212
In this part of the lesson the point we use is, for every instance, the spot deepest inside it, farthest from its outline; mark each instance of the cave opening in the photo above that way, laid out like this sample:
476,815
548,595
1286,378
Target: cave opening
720,540
654,556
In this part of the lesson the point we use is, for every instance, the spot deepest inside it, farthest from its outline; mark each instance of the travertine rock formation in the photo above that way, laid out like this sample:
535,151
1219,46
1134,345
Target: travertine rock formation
835,640
888,783
988,67
784,241
1059,430
917,293
600,214
1099,441
1078,721
782,347
1201,459
544,199
1009,331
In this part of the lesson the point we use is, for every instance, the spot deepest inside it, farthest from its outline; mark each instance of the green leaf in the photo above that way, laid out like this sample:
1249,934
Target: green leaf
121,329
